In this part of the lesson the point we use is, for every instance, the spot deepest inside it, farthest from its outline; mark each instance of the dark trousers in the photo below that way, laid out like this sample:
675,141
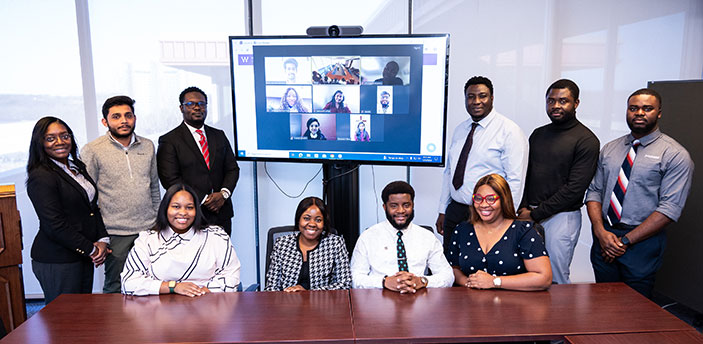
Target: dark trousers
637,267
455,214
215,220
114,263
227,226
64,278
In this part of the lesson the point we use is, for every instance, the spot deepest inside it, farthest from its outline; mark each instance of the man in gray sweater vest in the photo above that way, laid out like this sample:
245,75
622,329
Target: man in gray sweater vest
123,166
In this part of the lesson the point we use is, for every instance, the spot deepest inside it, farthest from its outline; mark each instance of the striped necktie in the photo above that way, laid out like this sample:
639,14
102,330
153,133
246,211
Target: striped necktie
204,148
618,195
402,257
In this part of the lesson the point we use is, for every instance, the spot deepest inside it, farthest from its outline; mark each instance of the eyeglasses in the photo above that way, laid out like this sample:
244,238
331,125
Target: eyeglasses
490,199
64,137
193,104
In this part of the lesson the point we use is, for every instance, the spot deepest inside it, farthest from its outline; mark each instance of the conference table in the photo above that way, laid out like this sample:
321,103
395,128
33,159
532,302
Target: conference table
577,313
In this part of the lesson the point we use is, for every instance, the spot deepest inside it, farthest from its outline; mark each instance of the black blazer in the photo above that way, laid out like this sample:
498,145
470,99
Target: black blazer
69,223
179,160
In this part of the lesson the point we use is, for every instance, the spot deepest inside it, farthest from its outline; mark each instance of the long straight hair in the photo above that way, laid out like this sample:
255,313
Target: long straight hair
37,154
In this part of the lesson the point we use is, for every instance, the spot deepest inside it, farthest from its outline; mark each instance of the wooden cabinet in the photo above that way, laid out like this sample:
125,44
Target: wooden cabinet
12,307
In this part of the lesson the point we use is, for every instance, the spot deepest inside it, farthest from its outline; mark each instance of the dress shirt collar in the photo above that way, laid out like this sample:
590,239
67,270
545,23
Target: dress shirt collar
485,121
168,233
71,166
389,227
193,129
645,140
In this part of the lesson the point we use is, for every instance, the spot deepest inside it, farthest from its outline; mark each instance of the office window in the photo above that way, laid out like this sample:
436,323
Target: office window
153,50
41,76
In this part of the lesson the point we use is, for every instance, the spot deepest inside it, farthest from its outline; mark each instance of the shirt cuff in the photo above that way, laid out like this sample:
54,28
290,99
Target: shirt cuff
154,287
592,196
105,240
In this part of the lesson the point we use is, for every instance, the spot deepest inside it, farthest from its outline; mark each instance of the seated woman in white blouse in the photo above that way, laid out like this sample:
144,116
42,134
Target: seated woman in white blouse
179,255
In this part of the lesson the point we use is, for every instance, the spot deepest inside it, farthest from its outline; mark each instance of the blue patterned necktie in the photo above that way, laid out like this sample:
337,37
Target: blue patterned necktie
402,257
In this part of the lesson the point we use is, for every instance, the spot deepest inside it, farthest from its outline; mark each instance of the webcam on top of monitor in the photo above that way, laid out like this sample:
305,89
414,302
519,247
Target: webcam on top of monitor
334,31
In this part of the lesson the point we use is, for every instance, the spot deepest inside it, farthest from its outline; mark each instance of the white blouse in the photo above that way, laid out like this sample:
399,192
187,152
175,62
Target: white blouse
204,257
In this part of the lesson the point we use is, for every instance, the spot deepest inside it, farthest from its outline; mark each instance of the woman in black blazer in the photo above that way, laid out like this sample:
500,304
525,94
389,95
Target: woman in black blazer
72,237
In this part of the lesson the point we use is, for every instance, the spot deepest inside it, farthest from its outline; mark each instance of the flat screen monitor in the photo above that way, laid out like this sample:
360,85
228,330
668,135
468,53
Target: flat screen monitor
374,99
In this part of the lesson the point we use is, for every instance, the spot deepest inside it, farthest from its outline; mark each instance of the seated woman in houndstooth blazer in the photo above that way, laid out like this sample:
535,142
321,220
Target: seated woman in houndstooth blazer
313,258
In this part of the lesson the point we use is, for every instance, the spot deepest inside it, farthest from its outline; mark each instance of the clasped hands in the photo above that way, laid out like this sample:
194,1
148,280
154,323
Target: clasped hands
101,253
611,246
480,280
214,201
294,288
190,289
404,282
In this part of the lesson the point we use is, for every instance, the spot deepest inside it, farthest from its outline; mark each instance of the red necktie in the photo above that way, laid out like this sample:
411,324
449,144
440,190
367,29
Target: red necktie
458,179
203,147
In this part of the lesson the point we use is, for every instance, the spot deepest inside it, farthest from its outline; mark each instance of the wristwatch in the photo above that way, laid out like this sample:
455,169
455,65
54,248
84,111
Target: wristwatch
424,281
497,282
625,241
172,287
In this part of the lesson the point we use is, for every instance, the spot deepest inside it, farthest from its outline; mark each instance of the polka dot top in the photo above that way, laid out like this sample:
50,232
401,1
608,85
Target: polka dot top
520,242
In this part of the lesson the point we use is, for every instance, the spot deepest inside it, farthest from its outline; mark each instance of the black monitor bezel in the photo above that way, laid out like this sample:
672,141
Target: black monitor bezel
442,161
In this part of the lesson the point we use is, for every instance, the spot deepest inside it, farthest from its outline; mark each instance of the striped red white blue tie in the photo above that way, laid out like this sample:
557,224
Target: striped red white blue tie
618,195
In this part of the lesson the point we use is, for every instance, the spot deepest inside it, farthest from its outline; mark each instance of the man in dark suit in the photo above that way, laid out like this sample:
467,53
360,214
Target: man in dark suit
200,156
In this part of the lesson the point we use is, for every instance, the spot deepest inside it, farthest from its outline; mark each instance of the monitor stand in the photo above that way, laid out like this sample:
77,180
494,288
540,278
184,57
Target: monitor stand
340,185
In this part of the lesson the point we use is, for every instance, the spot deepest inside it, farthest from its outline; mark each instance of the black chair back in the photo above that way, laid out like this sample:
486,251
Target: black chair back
276,232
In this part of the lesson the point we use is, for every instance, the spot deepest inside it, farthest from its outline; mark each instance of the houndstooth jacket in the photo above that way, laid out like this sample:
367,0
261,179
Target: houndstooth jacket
329,264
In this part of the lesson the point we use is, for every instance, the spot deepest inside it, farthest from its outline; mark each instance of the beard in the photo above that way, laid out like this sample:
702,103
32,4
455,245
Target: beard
646,129
400,226
117,135
566,116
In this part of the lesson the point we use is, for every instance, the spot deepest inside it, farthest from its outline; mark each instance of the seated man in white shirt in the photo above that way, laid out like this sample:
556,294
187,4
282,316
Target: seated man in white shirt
395,253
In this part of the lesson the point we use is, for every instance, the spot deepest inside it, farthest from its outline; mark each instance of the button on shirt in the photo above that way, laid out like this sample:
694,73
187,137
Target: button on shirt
375,256
499,146
660,179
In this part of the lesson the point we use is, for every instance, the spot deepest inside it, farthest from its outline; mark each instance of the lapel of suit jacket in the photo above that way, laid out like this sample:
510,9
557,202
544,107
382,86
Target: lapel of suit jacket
195,147
75,184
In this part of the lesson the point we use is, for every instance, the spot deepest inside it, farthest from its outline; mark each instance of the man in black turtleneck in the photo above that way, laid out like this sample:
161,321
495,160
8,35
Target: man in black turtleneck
563,159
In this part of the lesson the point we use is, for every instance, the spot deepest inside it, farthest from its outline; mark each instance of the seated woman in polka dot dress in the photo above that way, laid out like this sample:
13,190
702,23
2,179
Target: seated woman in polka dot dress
495,250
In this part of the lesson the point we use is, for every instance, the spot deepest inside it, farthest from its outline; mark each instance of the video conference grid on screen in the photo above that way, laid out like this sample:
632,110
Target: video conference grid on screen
334,100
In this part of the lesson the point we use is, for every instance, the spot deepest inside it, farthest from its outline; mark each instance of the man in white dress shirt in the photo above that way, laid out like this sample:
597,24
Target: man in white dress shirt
486,143
395,254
